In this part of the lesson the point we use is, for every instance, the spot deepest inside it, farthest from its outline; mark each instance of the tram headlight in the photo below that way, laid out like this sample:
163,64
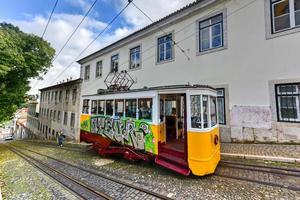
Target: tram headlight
216,139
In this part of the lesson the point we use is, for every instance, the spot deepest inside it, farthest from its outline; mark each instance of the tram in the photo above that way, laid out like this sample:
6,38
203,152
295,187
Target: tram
174,126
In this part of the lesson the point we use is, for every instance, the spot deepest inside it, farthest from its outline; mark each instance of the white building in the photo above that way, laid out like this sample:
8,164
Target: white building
59,110
247,49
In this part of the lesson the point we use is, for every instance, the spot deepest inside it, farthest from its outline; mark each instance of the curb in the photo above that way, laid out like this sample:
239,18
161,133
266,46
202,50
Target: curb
258,157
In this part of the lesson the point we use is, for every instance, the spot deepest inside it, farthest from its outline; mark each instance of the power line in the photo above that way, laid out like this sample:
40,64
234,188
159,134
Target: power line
50,18
86,14
190,35
174,42
108,25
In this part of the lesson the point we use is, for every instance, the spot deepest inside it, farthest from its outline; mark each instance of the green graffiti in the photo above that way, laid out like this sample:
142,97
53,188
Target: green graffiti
127,131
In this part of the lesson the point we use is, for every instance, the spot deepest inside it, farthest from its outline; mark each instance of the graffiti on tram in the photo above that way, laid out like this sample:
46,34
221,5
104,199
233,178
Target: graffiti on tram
136,133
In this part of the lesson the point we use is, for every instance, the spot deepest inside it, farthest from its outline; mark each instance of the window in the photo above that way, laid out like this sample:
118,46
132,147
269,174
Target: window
52,96
211,33
47,113
94,107
196,119
87,72
56,96
60,96
288,102
54,115
65,118
85,106
205,110
221,105
130,108
98,69
58,116
285,14
109,107
72,122
135,58
165,48
114,63
119,107
213,111
67,95
101,104
145,109
50,114
74,96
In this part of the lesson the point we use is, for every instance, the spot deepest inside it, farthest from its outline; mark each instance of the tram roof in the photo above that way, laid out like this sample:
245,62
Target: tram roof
156,88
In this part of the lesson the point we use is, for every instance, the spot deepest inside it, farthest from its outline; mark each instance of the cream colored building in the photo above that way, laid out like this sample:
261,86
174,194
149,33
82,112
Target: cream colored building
59,110
248,49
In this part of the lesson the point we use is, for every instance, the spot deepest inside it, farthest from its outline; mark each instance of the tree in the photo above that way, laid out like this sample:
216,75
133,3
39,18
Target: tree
22,56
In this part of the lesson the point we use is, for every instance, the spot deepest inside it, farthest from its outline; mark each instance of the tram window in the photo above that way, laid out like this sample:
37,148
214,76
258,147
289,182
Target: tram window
196,119
85,107
145,109
213,111
119,107
130,108
94,107
205,110
109,107
101,107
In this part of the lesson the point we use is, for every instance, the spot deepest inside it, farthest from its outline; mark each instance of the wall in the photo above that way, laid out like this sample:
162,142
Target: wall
248,66
65,105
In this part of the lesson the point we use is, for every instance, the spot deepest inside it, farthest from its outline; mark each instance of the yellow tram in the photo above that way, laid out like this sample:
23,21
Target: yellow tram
176,126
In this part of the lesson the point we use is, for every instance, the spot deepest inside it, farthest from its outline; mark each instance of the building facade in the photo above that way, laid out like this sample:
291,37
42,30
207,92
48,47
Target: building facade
33,118
59,110
248,50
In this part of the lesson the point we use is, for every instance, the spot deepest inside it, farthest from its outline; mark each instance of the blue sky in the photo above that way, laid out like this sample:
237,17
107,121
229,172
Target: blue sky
32,16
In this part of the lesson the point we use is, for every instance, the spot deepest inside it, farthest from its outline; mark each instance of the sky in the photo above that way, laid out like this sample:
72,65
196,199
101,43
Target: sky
32,16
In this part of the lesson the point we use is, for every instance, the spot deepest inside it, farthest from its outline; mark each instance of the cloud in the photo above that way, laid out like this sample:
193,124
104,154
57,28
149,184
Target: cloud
63,24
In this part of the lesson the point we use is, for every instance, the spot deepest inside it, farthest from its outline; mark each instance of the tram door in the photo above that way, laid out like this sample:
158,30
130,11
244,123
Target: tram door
173,114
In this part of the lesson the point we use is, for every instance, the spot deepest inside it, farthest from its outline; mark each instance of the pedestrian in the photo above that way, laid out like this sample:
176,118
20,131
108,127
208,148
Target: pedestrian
60,138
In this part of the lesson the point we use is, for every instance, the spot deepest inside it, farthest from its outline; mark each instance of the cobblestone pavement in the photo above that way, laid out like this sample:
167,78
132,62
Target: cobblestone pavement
280,150
22,181
164,181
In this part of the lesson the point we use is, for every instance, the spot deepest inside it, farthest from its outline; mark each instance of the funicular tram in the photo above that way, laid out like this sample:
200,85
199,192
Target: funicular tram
176,126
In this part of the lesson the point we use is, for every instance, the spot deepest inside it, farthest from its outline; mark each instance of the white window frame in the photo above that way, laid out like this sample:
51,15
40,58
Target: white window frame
291,14
113,68
209,27
165,52
99,69
135,60
87,74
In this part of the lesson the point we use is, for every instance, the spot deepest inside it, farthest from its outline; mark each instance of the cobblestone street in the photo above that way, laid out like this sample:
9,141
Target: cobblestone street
22,181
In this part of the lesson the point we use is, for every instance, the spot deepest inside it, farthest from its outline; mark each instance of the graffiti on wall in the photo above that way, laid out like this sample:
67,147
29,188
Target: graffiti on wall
85,123
136,133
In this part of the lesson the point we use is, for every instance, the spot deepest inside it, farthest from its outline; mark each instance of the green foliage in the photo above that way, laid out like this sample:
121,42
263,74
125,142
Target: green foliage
22,56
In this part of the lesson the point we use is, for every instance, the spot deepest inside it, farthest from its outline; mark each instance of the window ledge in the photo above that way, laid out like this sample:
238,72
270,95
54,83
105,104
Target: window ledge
134,69
199,53
165,61
283,33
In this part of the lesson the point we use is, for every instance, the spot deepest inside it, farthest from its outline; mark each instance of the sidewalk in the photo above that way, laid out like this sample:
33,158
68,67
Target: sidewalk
272,152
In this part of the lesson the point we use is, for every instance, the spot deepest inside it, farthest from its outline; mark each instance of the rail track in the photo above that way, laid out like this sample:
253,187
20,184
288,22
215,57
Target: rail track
282,177
80,189
143,191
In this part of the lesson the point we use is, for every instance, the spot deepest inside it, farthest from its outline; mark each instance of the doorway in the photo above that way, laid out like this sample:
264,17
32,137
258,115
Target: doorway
173,115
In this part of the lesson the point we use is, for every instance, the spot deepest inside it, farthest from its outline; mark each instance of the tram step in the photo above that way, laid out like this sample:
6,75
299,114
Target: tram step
169,151
172,166
173,158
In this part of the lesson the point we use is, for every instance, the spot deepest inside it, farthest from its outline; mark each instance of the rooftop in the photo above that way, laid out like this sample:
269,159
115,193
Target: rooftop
194,6
62,84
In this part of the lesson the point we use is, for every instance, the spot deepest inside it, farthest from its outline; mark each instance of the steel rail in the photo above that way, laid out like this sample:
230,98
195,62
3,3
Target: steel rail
160,196
99,194
261,166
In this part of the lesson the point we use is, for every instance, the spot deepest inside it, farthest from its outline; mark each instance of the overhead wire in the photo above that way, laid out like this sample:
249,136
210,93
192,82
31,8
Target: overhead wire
108,25
190,35
54,7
